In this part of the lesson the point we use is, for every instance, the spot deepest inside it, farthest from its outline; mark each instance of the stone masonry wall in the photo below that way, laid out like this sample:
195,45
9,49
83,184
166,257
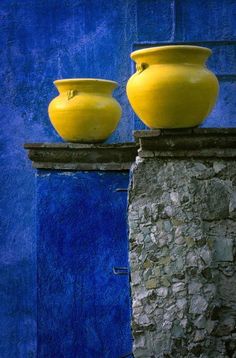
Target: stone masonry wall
182,229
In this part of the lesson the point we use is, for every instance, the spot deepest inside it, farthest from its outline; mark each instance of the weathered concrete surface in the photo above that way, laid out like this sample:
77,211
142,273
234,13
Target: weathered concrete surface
69,156
182,224
196,142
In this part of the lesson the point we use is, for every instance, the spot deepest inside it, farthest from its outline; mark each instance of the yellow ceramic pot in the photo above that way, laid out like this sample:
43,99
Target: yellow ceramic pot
84,111
172,87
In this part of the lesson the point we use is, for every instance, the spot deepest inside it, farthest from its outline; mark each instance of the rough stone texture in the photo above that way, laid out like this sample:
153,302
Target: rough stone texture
182,252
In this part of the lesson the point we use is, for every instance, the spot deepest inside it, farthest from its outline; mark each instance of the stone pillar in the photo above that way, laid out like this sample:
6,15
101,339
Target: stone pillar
182,231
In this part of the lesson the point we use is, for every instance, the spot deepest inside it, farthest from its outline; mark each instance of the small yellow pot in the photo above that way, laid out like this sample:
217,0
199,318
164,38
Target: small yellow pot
172,87
85,110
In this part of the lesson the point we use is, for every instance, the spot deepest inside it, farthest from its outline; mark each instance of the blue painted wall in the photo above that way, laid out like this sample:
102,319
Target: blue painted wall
42,40
83,307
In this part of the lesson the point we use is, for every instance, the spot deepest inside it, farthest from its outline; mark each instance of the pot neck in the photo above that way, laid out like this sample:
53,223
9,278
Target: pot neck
86,85
172,54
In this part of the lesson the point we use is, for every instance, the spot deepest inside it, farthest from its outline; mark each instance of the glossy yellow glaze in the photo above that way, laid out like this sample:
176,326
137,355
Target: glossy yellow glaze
85,110
172,87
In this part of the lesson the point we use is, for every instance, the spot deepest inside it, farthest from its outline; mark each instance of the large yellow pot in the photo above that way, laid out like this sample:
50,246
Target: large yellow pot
84,111
172,87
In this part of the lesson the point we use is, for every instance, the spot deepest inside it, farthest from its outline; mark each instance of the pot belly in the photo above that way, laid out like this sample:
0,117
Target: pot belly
84,120
175,97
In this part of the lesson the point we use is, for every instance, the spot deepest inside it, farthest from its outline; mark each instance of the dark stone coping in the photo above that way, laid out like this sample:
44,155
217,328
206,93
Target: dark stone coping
74,156
191,142
174,143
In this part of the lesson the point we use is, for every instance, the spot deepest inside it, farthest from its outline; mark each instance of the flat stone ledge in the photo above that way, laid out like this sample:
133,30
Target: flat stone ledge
74,156
191,142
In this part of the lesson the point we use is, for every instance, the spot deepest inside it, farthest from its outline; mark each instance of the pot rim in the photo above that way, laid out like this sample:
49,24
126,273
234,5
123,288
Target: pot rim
80,80
157,49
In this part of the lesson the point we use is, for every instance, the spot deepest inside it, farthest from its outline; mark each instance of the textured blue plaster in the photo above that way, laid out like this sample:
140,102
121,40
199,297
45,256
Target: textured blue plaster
17,265
205,20
155,20
45,40
83,308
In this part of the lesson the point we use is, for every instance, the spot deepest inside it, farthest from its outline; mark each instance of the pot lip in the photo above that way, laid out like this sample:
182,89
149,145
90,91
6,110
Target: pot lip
80,80
157,49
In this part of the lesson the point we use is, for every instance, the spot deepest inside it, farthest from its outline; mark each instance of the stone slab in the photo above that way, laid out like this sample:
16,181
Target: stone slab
74,156
190,142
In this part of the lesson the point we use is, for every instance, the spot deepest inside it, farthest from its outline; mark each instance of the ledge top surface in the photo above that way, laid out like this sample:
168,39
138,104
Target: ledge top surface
189,142
175,143
193,132
79,146
76,156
